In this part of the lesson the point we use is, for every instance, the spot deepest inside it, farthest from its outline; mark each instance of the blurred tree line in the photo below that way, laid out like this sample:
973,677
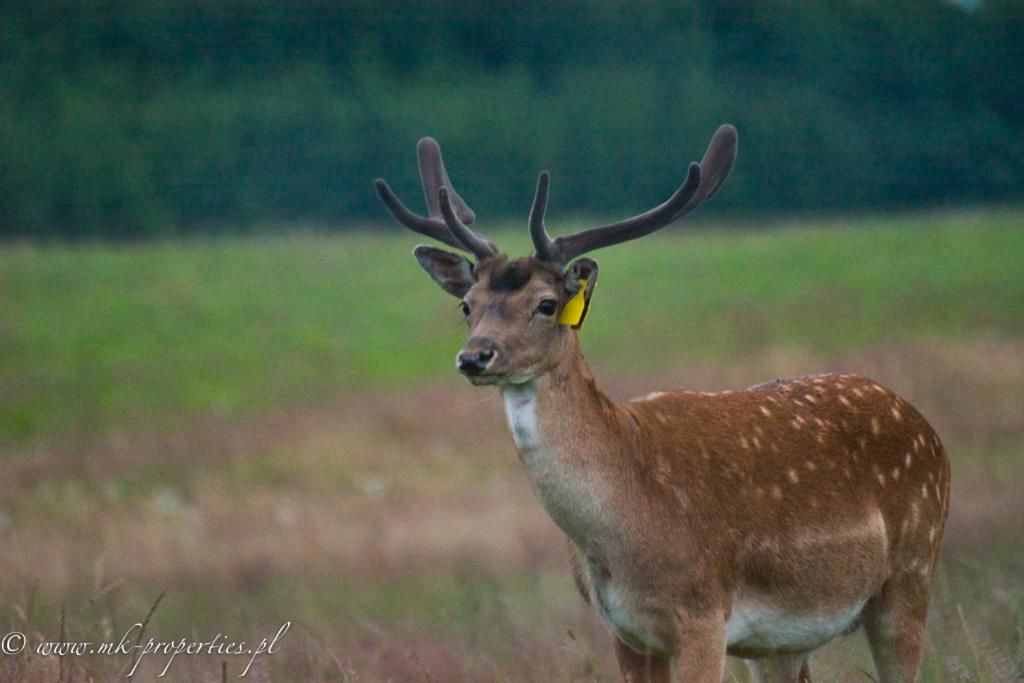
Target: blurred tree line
123,118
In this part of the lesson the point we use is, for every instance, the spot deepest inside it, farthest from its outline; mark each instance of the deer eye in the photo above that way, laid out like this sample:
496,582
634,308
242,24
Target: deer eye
547,307
464,307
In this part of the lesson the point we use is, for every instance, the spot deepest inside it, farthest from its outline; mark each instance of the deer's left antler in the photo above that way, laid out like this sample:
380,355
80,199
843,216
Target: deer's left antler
702,182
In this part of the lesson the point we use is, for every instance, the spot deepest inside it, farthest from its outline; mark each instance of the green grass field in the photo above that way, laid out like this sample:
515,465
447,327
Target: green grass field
96,337
271,429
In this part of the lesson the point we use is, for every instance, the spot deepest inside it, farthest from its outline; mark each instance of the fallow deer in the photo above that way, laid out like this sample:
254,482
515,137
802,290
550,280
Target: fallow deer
759,523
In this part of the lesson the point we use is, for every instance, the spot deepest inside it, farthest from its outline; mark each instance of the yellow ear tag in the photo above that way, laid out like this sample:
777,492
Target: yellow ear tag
575,309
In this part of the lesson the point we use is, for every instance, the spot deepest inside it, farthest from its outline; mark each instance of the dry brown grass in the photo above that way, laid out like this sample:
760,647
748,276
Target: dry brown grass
399,534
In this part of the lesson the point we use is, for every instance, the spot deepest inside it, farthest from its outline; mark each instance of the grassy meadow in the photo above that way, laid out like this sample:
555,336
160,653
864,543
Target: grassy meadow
270,429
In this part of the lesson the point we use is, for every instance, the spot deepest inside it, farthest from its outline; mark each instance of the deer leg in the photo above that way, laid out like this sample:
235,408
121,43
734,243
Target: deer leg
895,625
701,649
784,669
642,668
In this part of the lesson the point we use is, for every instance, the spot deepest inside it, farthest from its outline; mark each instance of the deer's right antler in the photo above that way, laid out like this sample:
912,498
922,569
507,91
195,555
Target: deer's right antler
448,215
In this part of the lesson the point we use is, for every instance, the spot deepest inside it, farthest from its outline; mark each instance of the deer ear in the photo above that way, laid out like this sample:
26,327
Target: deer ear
582,273
453,272
581,269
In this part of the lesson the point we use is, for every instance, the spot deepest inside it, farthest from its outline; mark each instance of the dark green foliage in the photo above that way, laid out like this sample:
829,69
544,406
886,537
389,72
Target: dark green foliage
139,117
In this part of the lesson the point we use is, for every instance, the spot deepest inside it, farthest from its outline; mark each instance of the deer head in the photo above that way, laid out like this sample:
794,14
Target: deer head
514,306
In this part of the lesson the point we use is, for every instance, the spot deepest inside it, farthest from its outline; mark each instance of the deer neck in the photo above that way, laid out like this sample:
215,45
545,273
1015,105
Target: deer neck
555,411
561,423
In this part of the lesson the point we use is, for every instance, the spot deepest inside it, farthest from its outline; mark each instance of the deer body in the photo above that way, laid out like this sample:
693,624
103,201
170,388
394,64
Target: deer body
760,523
707,493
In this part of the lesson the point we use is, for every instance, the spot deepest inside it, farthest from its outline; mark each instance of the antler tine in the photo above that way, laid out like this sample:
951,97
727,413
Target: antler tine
716,164
480,246
702,182
542,243
434,178
431,227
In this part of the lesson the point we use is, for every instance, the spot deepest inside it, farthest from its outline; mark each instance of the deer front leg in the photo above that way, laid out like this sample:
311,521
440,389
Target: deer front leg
642,668
701,648
701,657
782,669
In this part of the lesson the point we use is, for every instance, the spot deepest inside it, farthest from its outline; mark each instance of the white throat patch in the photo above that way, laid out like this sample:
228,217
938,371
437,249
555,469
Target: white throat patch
521,411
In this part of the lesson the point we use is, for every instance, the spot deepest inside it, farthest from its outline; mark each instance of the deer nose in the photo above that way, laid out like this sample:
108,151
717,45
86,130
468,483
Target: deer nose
476,356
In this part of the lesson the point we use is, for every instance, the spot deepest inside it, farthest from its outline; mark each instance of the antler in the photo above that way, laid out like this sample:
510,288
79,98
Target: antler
437,188
702,182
